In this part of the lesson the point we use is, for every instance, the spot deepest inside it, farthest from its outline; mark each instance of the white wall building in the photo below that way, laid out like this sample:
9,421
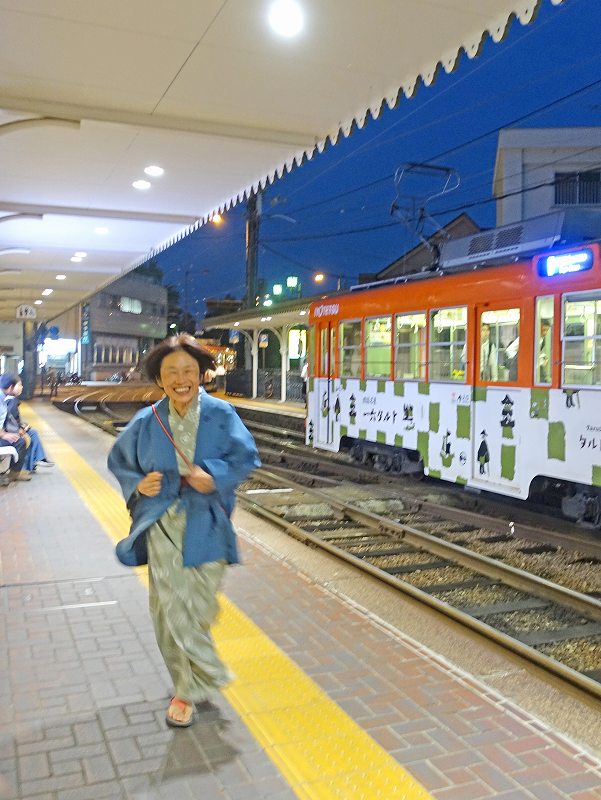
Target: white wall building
540,170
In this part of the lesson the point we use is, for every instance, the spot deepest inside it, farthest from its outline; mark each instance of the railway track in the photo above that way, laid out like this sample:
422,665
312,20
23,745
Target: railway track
516,583
550,625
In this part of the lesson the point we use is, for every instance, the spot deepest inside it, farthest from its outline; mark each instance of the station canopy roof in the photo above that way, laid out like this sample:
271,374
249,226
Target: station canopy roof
92,93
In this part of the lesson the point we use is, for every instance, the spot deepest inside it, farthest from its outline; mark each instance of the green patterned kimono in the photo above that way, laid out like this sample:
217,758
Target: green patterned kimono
183,602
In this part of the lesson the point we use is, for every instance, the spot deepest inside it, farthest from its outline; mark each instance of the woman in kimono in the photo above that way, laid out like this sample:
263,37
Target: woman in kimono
178,465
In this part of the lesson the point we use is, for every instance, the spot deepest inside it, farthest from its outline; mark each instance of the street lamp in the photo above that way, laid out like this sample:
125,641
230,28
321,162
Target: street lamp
293,283
320,277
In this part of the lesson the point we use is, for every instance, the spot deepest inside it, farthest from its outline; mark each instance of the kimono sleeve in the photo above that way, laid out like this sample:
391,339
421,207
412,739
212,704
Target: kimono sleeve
123,459
239,457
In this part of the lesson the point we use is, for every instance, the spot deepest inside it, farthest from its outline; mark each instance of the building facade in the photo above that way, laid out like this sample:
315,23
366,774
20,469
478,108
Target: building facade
540,170
119,324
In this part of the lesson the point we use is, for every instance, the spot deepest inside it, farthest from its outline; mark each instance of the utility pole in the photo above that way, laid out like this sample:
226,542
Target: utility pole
253,218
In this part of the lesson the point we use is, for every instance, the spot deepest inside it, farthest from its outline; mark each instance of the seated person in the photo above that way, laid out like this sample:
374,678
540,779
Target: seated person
11,438
36,456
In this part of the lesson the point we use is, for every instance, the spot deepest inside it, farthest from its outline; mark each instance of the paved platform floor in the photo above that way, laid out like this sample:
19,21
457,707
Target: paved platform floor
84,690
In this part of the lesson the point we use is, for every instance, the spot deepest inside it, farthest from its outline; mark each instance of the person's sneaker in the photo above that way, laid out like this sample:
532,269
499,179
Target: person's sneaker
24,475
44,463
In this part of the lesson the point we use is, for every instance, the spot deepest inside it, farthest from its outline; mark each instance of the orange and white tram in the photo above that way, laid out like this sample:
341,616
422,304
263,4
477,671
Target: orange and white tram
488,377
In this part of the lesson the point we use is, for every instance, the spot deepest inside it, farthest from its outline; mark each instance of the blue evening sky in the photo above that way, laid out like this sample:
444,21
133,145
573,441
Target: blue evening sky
333,214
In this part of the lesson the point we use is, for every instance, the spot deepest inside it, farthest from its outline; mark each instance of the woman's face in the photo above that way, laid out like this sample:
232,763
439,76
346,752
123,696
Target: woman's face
180,379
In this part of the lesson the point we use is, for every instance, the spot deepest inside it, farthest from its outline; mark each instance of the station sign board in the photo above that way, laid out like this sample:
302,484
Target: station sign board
26,312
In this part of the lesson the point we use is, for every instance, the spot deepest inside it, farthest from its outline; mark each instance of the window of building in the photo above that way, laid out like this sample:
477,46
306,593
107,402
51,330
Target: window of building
543,356
410,347
378,347
130,305
448,327
578,188
581,339
350,349
499,345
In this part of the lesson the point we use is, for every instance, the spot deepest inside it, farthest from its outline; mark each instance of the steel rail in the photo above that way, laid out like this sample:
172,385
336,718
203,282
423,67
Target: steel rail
532,655
512,576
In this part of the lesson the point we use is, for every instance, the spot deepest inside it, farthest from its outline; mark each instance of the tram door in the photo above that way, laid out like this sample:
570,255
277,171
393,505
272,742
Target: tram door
495,416
327,343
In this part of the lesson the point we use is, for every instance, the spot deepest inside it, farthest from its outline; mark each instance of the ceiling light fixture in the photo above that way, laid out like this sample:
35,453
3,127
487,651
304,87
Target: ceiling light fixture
286,18
38,302
10,251
46,292
75,259
141,185
60,277
154,171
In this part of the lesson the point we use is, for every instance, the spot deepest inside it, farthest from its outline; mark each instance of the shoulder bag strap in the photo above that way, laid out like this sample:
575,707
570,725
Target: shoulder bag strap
168,435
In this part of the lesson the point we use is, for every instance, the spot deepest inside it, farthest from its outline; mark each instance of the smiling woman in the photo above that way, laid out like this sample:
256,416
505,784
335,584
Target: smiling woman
178,465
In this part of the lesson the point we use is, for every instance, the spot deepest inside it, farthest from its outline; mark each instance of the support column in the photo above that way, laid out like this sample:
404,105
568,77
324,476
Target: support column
253,218
284,365
255,363
30,362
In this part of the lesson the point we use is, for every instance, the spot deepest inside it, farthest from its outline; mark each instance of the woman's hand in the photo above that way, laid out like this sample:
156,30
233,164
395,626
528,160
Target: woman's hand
150,485
200,480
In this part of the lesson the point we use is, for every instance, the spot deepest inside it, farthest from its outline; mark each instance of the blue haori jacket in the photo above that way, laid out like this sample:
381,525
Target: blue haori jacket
224,448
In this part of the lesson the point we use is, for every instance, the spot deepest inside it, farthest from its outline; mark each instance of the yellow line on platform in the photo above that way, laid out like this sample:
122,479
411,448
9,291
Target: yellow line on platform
320,750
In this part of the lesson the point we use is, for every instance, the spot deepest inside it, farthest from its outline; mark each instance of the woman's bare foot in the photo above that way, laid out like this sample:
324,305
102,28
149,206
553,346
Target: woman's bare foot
180,713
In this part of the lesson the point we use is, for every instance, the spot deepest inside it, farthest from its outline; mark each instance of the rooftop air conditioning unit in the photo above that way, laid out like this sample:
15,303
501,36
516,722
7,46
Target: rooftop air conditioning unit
522,239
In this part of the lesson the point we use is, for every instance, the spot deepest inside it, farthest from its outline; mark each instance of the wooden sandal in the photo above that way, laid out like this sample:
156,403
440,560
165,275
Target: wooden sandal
176,723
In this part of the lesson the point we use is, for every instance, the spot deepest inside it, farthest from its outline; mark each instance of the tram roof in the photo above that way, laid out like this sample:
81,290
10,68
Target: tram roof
92,93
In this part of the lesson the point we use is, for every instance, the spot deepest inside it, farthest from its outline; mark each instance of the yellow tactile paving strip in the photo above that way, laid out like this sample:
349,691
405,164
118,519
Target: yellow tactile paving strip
321,751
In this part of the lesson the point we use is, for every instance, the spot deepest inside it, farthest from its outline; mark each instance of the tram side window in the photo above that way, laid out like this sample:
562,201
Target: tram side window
410,347
378,347
448,328
350,349
581,340
543,358
499,345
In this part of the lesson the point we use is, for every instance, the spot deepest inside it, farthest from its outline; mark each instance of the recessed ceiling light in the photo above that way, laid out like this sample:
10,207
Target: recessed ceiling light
76,259
38,302
80,254
101,231
60,277
141,185
154,171
46,292
286,17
